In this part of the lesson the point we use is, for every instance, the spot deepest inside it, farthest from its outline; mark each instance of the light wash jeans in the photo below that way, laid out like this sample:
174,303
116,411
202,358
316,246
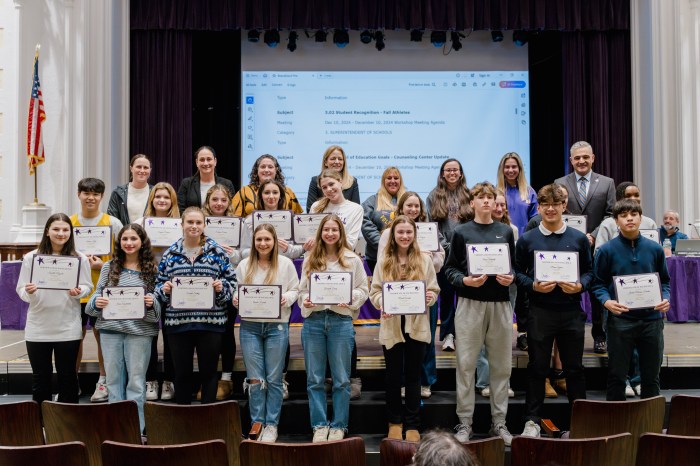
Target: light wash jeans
126,362
328,336
264,345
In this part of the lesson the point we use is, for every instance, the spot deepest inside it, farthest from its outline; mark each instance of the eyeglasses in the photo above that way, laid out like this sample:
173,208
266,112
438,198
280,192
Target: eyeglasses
547,206
451,170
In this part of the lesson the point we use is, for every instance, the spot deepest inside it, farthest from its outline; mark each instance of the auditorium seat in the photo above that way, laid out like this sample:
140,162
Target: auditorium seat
347,452
25,419
676,450
613,450
394,452
684,416
168,424
210,453
59,454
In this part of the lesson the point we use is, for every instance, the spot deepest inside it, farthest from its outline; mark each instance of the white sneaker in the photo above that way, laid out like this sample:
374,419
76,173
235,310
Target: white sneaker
336,434
425,391
449,343
285,387
320,434
486,392
101,393
269,434
403,392
511,393
152,390
500,430
629,391
463,432
531,430
168,391
637,390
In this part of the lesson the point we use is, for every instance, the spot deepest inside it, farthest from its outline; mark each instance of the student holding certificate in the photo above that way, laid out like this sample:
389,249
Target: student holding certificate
411,205
264,339
328,334
126,342
333,202
404,337
631,262
53,320
200,273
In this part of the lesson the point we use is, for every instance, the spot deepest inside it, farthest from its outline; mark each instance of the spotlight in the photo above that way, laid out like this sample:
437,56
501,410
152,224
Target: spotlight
379,37
416,35
366,37
438,38
320,35
497,36
341,38
454,37
253,35
520,38
272,37
292,45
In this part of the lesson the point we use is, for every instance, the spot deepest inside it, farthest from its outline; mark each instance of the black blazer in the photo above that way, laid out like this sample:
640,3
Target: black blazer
600,198
188,195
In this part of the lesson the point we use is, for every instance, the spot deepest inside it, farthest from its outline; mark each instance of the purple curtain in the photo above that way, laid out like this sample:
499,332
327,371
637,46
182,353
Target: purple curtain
161,102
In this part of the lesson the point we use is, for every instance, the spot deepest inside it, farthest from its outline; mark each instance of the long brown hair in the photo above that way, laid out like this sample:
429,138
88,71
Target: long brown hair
439,209
391,268
45,246
255,180
281,203
147,266
324,201
317,256
174,211
254,257
422,216
210,192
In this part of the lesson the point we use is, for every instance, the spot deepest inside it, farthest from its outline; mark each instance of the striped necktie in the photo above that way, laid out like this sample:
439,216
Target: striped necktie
582,191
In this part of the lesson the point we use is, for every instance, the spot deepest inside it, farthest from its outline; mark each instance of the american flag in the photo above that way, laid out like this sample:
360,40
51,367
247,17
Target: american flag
35,140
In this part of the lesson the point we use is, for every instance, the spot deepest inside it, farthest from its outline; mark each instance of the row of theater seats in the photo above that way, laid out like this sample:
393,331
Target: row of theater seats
602,433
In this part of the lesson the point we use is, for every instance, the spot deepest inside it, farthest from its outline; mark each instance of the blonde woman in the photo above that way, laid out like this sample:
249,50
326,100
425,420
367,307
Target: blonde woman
334,159
521,198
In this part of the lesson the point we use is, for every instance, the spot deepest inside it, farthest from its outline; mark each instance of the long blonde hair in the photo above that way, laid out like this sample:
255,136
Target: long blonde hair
317,256
254,257
391,268
210,192
383,197
521,182
324,201
174,211
347,179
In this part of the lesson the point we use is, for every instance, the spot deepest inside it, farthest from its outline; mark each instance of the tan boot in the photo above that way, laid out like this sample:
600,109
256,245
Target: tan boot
549,391
412,435
224,389
395,431
560,386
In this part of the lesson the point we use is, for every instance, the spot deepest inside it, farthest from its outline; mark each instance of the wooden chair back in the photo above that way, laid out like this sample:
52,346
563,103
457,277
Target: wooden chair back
169,424
614,450
210,453
91,424
591,418
347,452
684,416
25,419
656,449
60,454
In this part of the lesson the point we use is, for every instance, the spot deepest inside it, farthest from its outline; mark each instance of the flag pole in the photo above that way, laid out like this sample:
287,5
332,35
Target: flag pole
36,167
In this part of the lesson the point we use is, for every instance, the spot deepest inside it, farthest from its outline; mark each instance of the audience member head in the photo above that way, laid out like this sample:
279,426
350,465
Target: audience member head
672,220
441,448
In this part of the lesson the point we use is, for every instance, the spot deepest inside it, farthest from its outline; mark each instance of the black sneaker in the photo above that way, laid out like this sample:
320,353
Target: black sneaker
521,342
600,346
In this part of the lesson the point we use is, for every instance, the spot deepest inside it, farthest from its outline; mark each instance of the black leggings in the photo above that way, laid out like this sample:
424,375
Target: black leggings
64,353
182,347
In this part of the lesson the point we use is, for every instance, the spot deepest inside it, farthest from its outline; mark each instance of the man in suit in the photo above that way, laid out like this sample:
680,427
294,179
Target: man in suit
592,195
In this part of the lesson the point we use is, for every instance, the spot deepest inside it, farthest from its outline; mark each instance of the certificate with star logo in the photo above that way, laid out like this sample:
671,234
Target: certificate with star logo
51,272
488,259
639,291
196,293
94,241
427,236
404,297
125,302
281,220
163,231
259,301
556,266
224,230
305,226
330,288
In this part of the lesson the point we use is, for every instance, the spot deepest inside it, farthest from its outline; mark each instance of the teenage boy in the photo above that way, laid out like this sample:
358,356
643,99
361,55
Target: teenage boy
629,254
90,193
555,306
484,316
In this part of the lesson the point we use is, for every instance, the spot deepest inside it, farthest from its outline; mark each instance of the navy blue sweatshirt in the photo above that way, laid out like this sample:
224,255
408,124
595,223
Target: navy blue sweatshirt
622,256
569,241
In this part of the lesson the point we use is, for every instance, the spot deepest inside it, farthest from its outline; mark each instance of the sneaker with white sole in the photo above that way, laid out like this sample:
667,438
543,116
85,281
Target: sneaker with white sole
463,432
101,393
425,391
168,391
449,343
320,434
269,434
486,392
336,434
152,390
511,393
637,390
500,430
531,430
629,391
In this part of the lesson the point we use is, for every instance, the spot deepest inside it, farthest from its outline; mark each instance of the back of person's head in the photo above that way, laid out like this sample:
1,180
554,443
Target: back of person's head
91,185
441,448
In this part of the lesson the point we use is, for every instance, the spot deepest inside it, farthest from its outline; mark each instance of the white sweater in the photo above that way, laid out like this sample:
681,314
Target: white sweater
350,214
54,315
286,277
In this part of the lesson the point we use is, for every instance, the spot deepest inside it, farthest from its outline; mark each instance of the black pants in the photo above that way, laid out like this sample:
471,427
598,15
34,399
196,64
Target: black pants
182,348
597,319
522,307
65,354
544,325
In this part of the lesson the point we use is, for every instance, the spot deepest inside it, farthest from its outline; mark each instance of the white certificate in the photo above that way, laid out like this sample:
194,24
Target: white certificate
405,297
259,301
652,235
55,272
427,236
638,291
330,288
306,226
556,266
125,302
163,231
192,293
93,241
488,259
577,222
280,219
224,230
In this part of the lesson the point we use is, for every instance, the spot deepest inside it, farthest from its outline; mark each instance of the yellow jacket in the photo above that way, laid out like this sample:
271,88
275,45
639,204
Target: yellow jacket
244,201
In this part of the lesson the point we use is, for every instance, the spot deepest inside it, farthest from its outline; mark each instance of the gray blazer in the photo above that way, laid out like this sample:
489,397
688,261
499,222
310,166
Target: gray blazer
599,201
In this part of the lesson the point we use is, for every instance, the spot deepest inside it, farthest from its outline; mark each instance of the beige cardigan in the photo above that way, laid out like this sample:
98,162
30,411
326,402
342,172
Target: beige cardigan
418,326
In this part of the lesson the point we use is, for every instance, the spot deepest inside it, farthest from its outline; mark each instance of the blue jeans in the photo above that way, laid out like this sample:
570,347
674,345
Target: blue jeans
428,375
264,345
126,362
328,336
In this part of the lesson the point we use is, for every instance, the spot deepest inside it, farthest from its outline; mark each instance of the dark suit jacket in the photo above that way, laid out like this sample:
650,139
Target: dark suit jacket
188,195
599,201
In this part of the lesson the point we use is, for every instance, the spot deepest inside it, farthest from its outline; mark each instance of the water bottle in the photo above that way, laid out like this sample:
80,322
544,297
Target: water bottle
667,247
